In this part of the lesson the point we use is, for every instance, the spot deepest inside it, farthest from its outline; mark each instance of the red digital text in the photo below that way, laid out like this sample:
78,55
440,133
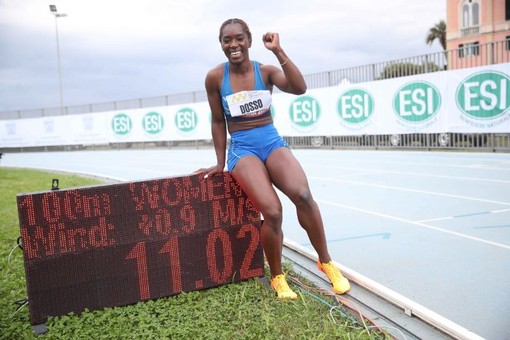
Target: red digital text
169,206
64,222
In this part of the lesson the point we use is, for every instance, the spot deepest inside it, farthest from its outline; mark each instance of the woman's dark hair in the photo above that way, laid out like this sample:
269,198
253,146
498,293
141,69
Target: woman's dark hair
236,21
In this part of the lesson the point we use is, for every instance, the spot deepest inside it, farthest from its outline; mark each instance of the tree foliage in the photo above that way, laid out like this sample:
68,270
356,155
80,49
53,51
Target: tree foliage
402,69
437,32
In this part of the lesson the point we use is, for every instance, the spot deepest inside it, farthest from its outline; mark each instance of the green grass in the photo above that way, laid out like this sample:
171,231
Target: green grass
246,310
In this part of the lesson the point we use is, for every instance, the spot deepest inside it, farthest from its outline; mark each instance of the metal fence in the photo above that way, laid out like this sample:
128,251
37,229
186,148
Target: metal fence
465,57
490,142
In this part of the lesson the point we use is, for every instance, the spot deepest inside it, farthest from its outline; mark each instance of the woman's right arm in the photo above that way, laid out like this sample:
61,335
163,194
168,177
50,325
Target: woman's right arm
218,124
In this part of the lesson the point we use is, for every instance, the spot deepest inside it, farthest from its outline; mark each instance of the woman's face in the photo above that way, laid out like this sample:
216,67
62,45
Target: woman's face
235,43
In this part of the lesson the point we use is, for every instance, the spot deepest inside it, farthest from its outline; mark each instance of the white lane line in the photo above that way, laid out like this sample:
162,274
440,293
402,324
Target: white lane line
423,225
501,210
465,215
480,166
383,172
434,193
435,219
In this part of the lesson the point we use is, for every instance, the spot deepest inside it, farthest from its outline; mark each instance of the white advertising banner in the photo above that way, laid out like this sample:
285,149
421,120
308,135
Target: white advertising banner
469,100
174,123
474,100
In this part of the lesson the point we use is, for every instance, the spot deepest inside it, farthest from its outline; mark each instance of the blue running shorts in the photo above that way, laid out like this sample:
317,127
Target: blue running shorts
259,142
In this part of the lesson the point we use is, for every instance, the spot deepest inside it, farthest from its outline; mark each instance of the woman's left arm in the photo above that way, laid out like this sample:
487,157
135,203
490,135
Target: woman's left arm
289,80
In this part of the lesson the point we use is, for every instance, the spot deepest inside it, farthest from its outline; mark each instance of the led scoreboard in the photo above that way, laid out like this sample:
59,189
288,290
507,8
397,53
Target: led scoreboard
117,244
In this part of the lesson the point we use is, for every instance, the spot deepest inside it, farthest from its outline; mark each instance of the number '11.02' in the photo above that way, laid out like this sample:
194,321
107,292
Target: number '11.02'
217,275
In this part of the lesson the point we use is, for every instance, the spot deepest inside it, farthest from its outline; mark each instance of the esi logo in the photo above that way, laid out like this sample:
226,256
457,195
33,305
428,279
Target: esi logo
417,102
355,108
484,96
186,120
122,124
304,112
153,123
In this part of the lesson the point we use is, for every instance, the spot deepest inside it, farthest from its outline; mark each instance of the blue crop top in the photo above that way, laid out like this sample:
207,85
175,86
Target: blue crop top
226,89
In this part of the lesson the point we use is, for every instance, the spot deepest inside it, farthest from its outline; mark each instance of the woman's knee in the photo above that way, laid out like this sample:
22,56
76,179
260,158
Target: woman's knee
273,216
303,198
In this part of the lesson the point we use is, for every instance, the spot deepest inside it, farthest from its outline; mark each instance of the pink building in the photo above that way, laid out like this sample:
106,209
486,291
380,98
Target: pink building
478,31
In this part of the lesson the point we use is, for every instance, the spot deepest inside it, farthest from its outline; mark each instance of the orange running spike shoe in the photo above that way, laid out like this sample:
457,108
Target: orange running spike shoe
339,282
279,283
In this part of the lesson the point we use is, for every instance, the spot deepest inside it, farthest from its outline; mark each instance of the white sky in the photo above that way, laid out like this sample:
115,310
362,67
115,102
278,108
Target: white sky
125,49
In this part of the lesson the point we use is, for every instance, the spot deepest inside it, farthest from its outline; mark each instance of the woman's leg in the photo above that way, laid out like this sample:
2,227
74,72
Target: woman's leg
287,175
251,174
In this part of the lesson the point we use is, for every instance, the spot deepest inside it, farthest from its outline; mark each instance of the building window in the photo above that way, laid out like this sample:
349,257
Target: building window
507,10
508,43
470,49
475,48
465,16
470,13
475,15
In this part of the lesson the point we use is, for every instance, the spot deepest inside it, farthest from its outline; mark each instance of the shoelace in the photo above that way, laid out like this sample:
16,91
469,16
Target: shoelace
331,271
279,281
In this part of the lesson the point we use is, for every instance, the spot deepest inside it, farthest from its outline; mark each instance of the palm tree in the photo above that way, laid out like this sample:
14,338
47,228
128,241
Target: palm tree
437,32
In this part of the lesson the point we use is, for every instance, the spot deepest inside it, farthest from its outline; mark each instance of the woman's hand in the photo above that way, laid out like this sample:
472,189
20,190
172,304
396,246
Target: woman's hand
206,172
271,41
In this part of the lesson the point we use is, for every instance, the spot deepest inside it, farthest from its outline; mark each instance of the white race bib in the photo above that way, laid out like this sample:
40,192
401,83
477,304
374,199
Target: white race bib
251,103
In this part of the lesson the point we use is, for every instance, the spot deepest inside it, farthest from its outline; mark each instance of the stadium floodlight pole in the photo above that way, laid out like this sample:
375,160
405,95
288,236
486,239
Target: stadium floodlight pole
57,15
